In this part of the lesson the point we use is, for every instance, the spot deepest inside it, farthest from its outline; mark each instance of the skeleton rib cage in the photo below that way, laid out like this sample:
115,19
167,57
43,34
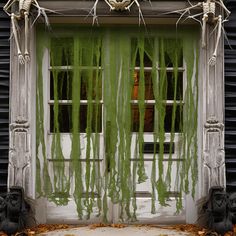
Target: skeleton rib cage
24,5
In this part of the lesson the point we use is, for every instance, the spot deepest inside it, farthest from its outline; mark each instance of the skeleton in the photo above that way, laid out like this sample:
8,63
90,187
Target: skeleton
22,13
208,12
118,5
209,16
121,5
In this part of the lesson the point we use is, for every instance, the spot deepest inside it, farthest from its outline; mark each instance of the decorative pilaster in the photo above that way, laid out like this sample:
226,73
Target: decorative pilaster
213,154
19,155
20,168
212,109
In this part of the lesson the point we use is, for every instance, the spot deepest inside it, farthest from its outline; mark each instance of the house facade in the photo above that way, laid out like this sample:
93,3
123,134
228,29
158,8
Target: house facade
118,114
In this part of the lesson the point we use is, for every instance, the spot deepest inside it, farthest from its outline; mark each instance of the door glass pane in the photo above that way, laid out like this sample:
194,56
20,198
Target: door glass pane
64,80
148,85
62,51
148,118
64,84
148,47
65,118
178,118
96,85
171,86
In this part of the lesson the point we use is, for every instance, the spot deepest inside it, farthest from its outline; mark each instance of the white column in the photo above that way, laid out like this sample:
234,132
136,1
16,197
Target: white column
212,102
22,119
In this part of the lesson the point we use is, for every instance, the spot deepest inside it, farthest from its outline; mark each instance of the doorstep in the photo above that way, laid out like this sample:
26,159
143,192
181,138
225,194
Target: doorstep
113,231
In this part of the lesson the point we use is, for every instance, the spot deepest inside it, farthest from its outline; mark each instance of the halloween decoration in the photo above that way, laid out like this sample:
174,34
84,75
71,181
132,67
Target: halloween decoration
116,5
13,210
121,5
210,17
218,210
232,207
2,211
93,185
22,13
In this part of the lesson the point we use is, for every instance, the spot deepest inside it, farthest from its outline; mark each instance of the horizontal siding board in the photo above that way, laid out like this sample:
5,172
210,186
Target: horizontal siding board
4,95
230,98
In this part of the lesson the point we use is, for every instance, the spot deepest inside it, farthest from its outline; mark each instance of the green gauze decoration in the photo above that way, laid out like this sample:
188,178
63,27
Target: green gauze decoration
92,105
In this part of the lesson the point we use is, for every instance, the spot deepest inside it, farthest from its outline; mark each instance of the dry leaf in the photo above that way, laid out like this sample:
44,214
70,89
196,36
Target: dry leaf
228,234
118,226
2,234
234,229
202,232
99,225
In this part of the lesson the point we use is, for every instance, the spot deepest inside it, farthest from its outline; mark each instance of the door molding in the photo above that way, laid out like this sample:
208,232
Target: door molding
22,161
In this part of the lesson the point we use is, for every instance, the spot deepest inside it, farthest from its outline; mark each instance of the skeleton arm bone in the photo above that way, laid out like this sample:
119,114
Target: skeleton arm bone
224,7
204,21
128,7
8,5
139,9
212,60
20,56
27,58
111,7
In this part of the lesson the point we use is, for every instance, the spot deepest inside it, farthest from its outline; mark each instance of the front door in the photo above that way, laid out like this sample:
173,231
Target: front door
116,124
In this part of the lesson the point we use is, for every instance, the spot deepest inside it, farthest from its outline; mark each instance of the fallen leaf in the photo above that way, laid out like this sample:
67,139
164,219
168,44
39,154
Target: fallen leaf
234,229
99,225
202,232
228,234
118,226
2,234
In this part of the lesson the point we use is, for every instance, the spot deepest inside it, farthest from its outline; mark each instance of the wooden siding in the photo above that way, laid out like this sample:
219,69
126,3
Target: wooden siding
4,96
230,98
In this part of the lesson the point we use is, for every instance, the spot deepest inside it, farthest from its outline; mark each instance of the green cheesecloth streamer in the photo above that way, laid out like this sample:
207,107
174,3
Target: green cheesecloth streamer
99,67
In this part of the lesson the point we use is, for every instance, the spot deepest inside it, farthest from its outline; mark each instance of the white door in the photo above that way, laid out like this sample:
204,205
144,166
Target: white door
101,140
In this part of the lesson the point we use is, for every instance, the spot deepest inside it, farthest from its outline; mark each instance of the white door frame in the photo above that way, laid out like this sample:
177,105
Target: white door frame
22,162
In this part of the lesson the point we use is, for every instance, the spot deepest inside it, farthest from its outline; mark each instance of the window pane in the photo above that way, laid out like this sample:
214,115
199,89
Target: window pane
65,118
64,85
173,52
171,86
64,79
148,118
96,85
178,118
148,50
148,86
62,51
90,52
96,117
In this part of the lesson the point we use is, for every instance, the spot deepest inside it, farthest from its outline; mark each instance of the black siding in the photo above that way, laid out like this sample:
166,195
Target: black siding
4,95
230,98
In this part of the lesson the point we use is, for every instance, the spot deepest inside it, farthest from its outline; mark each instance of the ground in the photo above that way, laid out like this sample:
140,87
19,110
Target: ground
116,230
